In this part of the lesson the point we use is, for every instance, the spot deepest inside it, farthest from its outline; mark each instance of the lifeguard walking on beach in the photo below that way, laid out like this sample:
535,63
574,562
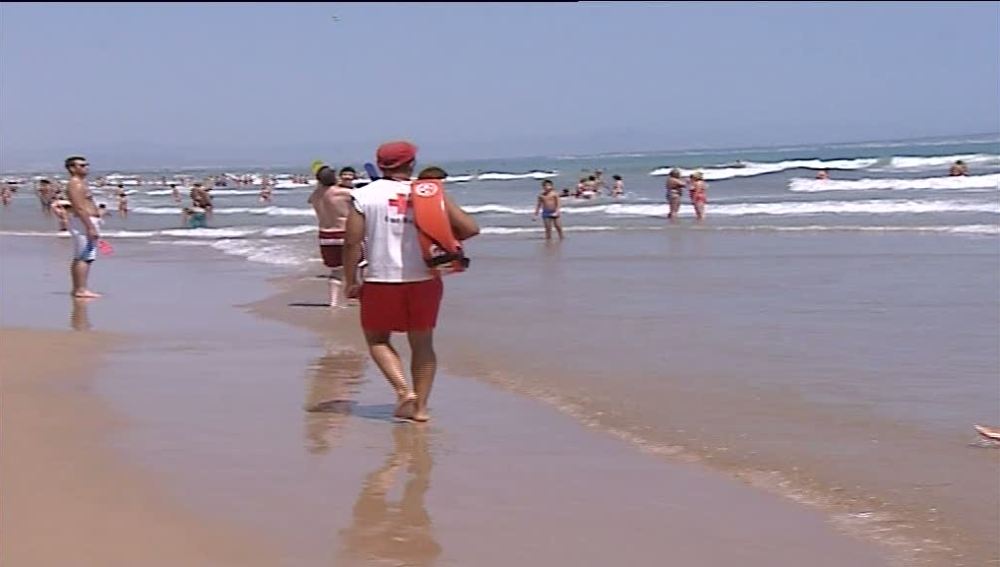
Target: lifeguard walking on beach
400,292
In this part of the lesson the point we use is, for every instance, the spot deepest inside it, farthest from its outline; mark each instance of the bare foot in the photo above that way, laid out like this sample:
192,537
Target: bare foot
988,432
405,406
86,294
421,416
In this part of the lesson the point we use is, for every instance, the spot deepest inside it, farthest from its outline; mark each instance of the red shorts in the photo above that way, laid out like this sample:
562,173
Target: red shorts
331,247
410,306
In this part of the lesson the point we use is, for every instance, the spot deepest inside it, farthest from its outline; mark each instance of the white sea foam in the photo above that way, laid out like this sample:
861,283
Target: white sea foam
210,233
215,233
128,233
289,230
263,251
865,207
285,212
156,210
495,208
959,182
751,168
501,230
215,192
269,211
985,229
229,192
874,206
47,233
942,162
502,176
280,185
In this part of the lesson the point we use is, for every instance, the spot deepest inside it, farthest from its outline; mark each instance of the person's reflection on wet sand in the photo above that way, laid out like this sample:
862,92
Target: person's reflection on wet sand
398,532
334,380
79,319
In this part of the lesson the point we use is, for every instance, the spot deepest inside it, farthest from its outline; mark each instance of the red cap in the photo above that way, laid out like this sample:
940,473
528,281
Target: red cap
391,155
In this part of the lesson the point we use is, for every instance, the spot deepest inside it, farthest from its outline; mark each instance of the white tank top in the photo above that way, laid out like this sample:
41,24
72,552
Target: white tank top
392,247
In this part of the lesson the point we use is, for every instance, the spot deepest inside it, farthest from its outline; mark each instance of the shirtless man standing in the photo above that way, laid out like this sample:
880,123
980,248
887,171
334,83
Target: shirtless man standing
332,203
84,225
548,204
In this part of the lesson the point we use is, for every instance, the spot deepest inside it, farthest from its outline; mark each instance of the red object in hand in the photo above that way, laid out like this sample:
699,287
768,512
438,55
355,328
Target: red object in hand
105,248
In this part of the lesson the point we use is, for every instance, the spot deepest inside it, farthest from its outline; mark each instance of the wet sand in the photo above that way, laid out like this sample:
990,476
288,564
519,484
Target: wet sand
67,498
842,372
282,435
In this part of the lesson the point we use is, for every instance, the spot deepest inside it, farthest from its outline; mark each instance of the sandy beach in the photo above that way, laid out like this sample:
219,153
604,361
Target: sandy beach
236,439
733,300
68,499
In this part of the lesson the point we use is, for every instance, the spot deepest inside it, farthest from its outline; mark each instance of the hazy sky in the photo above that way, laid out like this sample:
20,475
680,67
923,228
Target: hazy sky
275,83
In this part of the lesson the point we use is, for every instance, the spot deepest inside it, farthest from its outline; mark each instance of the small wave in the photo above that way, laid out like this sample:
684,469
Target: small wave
751,169
215,192
289,230
231,232
284,185
226,192
569,208
263,251
927,162
791,208
48,233
949,229
960,182
874,206
284,212
156,210
524,230
209,232
128,233
500,176
867,207
63,234
270,211
494,208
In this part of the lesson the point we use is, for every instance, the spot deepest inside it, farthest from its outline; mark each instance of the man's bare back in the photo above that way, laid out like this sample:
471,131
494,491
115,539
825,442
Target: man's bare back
332,204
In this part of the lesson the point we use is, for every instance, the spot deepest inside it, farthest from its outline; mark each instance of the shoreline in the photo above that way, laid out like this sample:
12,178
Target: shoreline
365,431
317,319
910,534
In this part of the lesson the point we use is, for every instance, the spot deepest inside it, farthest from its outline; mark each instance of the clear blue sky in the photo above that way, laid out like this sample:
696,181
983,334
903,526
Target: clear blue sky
274,83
